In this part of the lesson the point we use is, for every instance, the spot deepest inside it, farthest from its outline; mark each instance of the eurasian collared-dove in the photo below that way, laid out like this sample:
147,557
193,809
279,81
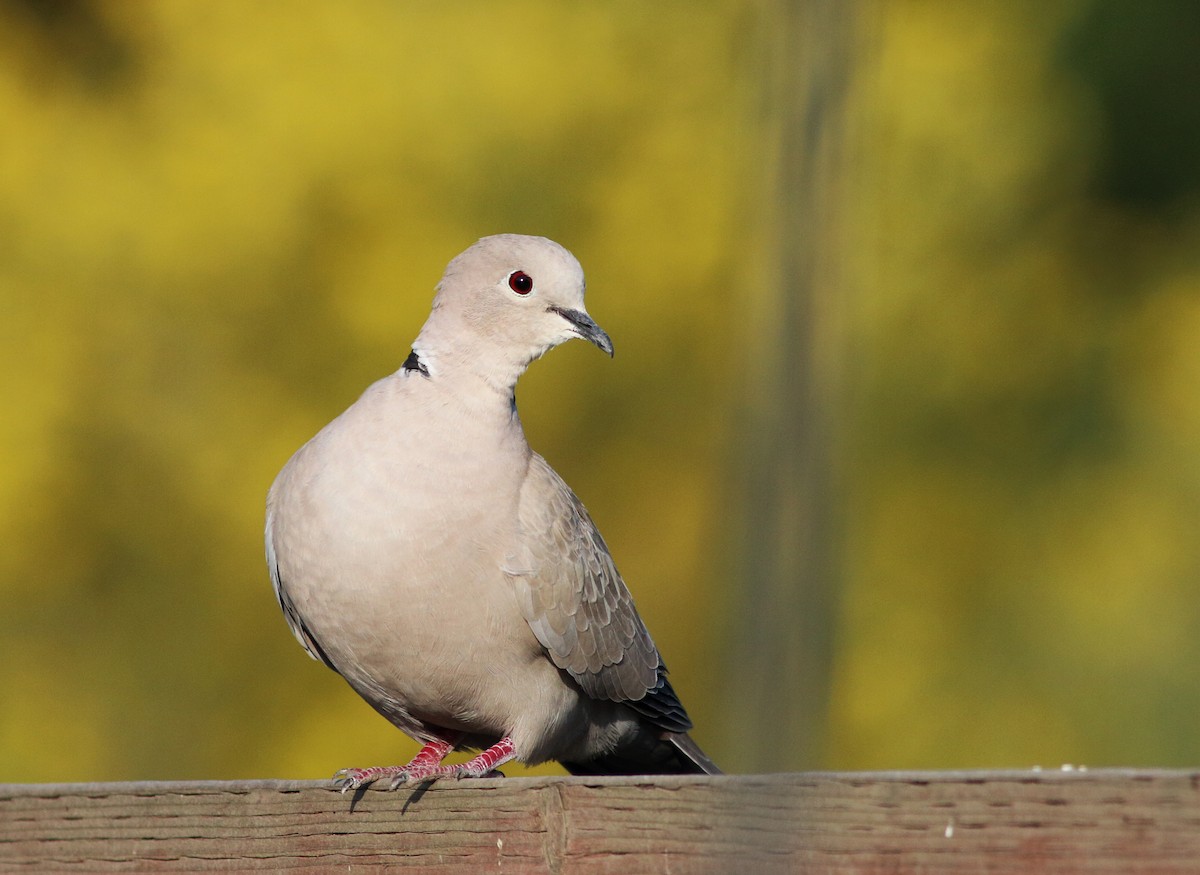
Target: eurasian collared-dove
423,551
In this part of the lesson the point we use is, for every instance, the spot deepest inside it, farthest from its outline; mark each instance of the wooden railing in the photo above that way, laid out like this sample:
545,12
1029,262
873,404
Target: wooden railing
1127,821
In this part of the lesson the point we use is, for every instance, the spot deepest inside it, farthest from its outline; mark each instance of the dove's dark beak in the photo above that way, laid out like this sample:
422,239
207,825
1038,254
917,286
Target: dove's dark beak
586,328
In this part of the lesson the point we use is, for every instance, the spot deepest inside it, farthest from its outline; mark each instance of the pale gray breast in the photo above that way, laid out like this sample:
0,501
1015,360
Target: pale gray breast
402,504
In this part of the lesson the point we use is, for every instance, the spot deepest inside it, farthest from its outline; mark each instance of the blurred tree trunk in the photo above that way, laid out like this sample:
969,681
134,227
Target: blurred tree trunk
787,576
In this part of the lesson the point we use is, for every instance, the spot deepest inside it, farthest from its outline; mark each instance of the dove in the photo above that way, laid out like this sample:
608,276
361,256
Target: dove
422,550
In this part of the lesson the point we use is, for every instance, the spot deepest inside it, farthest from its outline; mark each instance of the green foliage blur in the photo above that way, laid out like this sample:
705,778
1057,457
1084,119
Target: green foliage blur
219,221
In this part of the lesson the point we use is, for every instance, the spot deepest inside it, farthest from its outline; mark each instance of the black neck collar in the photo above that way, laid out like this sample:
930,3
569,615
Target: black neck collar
414,363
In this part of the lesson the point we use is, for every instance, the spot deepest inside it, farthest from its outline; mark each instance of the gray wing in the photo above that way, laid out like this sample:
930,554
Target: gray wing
579,608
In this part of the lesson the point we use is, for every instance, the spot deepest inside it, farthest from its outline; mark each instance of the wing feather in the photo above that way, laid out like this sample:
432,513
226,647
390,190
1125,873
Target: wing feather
578,606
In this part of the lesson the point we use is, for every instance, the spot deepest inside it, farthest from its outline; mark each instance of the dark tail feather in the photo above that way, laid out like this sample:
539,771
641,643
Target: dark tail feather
669,753
690,752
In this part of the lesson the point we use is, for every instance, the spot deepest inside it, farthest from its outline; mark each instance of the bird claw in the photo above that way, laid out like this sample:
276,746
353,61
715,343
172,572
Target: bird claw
413,776
346,780
352,779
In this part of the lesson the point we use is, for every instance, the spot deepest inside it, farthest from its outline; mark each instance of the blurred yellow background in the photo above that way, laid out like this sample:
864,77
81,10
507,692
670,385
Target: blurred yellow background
219,221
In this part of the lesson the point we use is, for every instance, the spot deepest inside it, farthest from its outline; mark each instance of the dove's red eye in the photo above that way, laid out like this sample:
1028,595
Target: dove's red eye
520,282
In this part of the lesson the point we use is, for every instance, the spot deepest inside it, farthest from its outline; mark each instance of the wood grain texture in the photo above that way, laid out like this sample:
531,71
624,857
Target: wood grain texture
916,822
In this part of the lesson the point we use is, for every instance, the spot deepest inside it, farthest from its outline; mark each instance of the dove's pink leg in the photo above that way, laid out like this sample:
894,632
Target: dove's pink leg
496,755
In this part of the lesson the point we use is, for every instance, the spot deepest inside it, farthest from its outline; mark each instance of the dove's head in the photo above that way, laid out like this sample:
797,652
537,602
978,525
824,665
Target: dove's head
503,303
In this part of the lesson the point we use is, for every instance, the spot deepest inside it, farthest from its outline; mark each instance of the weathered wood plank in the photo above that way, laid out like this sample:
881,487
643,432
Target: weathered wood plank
928,822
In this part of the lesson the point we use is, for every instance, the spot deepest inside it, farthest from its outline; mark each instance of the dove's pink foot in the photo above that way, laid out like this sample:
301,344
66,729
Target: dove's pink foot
427,764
